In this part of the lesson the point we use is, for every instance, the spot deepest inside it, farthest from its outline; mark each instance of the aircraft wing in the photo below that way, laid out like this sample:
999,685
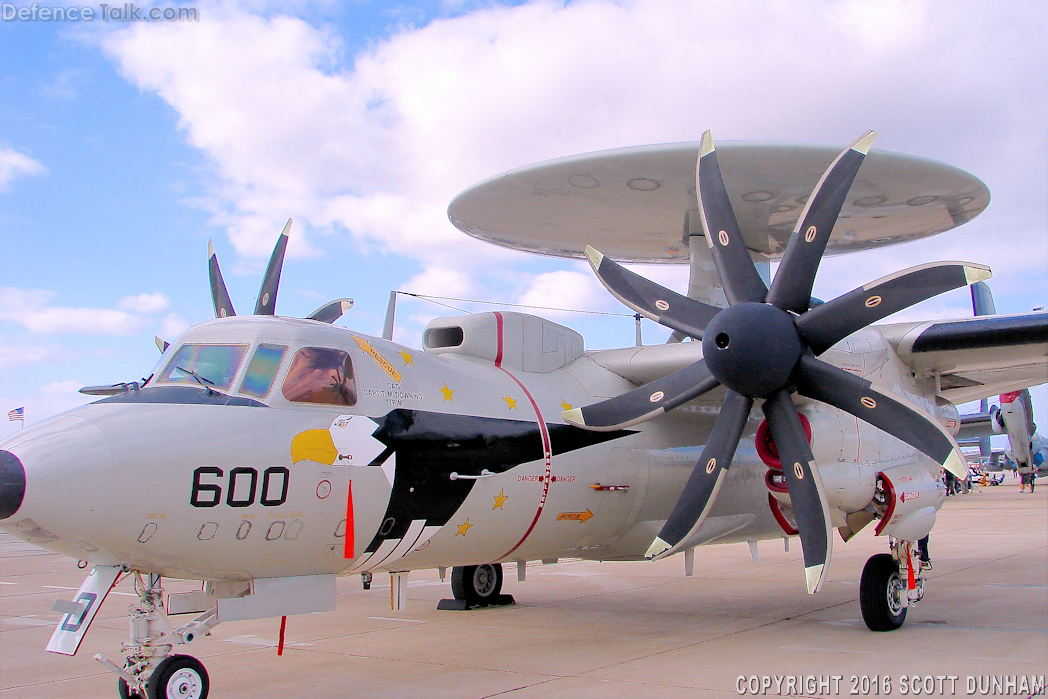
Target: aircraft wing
977,357
975,427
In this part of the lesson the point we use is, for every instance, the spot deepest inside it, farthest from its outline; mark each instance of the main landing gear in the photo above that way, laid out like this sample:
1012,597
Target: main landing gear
890,584
150,670
476,586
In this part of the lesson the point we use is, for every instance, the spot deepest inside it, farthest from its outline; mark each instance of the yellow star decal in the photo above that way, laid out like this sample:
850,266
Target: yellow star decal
407,357
447,393
511,402
463,528
565,404
500,500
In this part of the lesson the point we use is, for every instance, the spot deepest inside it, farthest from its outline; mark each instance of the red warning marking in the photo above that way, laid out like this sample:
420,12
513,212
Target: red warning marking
348,551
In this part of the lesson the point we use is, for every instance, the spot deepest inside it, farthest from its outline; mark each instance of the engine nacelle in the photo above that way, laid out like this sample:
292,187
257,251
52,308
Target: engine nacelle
948,416
907,499
997,420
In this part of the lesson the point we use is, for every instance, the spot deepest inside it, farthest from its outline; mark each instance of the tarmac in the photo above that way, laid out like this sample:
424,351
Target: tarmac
587,629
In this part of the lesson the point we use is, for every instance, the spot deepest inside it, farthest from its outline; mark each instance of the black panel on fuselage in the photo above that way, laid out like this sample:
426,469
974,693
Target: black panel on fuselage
431,446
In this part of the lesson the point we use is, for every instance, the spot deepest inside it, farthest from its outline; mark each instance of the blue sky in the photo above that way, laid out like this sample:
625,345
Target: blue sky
124,147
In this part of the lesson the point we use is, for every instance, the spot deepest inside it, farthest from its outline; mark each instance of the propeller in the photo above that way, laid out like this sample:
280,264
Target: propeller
267,293
764,346
219,294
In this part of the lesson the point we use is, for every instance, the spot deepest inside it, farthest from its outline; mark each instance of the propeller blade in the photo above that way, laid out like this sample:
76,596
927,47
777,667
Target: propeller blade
267,294
739,277
330,312
892,414
644,403
826,325
651,300
219,295
161,343
804,482
696,500
791,288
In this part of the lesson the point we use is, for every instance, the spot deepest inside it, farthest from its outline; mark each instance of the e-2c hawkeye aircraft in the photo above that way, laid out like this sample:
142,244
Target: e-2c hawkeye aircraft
266,455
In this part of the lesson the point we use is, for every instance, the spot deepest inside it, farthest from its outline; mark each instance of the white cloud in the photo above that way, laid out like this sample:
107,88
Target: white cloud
61,388
173,325
29,308
378,148
143,303
441,281
13,353
14,165
567,290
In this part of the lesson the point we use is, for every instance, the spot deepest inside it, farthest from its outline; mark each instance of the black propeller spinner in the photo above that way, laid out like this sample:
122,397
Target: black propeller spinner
266,303
764,346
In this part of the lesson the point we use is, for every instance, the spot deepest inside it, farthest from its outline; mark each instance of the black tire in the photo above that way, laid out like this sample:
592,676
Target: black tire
477,584
178,677
124,690
880,579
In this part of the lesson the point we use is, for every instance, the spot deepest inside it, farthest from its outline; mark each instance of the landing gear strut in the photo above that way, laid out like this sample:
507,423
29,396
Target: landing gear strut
150,671
890,584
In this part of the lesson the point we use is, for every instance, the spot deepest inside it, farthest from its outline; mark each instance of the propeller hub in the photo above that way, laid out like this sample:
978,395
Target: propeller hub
752,348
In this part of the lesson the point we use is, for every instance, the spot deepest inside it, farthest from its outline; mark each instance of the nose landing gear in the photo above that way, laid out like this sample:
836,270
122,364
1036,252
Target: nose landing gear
150,670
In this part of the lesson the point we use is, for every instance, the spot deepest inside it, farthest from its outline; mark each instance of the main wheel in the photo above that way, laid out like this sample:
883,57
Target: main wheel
178,677
882,594
477,584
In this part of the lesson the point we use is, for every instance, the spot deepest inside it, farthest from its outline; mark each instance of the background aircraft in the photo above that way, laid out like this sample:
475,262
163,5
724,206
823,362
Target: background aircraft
265,454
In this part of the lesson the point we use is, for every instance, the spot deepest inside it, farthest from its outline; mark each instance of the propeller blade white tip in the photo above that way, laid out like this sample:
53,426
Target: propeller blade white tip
210,250
706,145
594,256
973,274
956,464
287,228
864,142
657,547
574,416
813,578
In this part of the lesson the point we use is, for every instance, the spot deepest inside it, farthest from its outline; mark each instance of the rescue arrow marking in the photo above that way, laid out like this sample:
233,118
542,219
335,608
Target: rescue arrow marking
574,516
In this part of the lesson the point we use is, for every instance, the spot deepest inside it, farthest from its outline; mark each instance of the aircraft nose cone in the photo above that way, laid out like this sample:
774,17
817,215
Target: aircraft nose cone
12,484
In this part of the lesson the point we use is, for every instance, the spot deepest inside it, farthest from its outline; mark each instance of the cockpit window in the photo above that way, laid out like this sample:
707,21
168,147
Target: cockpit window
321,375
211,365
262,370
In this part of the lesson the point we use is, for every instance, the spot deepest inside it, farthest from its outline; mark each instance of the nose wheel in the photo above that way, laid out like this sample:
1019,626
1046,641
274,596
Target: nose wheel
178,677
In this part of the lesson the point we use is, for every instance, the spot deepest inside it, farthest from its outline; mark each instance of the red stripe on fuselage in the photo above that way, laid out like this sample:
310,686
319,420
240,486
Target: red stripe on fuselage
546,450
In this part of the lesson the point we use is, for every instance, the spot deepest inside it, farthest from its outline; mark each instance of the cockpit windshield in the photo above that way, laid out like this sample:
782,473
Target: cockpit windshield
211,365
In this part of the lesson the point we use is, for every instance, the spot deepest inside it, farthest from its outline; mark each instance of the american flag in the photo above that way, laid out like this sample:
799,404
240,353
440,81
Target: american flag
16,415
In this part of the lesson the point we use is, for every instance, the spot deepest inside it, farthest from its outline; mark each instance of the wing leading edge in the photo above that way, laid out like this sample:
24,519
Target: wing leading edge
976,357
